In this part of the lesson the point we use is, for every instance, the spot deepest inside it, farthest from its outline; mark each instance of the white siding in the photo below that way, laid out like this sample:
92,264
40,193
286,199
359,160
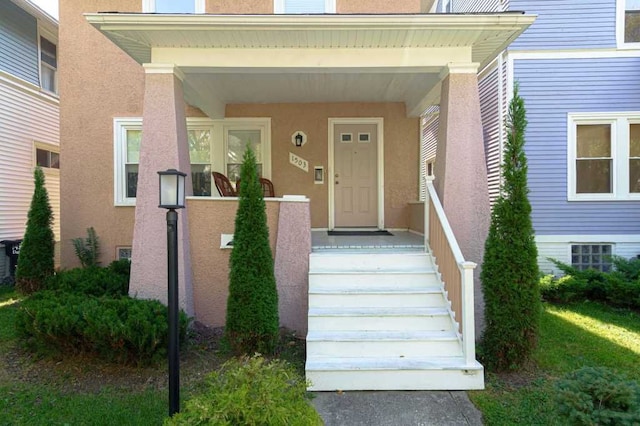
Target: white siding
26,116
489,83
470,6
428,143
623,246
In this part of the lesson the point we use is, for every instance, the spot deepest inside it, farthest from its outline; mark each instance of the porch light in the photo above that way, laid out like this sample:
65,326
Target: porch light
172,192
298,139
172,198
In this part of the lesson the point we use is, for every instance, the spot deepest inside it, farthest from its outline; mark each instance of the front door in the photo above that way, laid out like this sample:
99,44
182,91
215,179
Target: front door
356,175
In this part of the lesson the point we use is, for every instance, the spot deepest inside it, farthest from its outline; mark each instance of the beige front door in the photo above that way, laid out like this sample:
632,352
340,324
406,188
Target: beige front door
356,175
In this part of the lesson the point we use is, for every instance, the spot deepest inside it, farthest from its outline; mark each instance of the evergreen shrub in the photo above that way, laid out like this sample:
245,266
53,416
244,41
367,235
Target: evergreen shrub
92,281
87,249
510,270
35,261
252,392
252,323
598,396
619,288
121,330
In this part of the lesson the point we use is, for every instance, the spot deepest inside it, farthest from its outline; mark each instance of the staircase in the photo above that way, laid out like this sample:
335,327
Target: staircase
380,320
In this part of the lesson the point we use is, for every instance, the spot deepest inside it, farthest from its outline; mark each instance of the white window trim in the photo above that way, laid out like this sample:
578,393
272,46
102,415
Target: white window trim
218,149
329,6
53,38
149,6
619,150
620,17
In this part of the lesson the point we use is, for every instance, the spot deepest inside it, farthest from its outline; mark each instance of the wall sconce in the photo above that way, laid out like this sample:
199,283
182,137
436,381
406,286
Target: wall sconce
298,138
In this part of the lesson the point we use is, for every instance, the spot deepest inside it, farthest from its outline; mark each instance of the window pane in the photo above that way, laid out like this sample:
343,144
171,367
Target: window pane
131,171
593,176
237,141
634,175
594,140
200,146
634,140
201,177
175,6
133,145
42,158
48,77
55,160
304,6
632,21
48,52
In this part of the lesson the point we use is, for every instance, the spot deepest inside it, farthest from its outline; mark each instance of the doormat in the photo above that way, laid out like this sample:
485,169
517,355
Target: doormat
363,233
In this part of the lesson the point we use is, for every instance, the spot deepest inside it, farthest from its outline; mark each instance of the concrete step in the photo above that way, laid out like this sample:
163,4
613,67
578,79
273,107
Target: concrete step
368,261
418,279
351,344
379,319
331,297
393,373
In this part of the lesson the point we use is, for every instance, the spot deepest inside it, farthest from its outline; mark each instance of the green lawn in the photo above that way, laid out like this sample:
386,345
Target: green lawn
585,334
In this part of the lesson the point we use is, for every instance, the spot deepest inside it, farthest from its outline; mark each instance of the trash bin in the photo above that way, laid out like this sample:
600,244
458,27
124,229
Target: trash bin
12,250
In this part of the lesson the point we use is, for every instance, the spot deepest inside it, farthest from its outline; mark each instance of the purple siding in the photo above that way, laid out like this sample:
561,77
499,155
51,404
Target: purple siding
551,89
567,24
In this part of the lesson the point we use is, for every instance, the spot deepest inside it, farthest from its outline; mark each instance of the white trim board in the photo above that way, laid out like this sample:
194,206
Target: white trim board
582,238
574,54
379,121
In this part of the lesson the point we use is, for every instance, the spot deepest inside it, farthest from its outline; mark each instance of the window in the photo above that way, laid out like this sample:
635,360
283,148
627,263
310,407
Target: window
48,65
173,6
47,158
446,6
123,253
604,156
631,21
213,146
591,256
304,6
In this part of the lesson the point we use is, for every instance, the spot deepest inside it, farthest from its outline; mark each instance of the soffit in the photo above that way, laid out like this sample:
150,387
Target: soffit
414,47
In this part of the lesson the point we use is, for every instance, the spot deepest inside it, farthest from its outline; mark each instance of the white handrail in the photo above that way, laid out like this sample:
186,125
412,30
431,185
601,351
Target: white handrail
465,268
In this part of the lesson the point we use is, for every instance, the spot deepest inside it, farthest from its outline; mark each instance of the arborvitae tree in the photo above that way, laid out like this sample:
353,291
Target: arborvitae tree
35,262
510,269
252,307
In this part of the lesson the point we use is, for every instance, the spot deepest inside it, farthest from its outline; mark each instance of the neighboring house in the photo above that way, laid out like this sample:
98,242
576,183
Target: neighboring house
153,85
577,68
29,115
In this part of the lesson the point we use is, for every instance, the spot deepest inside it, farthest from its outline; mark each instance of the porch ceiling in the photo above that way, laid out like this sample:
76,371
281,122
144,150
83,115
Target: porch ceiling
311,58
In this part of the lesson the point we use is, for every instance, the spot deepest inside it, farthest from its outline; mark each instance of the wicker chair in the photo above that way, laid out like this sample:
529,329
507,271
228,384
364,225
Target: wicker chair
224,186
267,187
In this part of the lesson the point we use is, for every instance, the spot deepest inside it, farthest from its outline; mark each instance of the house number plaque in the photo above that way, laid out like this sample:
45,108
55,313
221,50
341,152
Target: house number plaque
300,163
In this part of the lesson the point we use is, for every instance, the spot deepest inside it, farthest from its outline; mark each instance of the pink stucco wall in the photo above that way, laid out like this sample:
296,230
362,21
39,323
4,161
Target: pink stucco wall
461,176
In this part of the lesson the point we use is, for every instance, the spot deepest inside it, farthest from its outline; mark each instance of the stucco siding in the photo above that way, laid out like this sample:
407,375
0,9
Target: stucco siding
26,117
567,24
551,89
18,43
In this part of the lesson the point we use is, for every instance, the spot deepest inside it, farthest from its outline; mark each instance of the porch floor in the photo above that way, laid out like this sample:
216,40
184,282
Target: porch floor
400,240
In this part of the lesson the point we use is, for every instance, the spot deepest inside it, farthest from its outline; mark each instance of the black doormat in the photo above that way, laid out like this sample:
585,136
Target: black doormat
362,233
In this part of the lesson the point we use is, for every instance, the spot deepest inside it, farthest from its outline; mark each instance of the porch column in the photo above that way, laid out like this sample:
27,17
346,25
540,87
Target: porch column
164,146
460,168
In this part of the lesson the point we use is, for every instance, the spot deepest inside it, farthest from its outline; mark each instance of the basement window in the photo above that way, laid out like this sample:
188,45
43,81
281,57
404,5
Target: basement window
591,256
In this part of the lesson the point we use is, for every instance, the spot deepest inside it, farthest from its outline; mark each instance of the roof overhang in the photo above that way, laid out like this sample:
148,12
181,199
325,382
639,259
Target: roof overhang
311,58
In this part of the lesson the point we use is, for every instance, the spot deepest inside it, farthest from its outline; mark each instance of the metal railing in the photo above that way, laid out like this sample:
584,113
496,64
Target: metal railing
456,273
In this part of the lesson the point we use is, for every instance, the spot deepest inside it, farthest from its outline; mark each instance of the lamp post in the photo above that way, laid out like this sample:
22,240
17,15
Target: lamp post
172,197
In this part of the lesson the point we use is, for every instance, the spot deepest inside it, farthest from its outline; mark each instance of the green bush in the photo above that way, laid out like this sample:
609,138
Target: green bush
620,287
252,392
122,330
252,323
35,262
93,281
510,269
598,396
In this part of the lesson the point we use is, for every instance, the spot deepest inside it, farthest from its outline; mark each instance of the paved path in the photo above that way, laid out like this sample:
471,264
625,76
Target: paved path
398,408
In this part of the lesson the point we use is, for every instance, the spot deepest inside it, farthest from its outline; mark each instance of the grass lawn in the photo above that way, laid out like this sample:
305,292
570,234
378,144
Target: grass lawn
85,391
573,336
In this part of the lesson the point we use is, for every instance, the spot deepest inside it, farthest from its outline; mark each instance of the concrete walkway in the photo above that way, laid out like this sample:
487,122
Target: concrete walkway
397,408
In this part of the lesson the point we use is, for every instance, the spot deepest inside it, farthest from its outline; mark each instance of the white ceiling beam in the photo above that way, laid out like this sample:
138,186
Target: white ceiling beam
210,104
431,98
297,60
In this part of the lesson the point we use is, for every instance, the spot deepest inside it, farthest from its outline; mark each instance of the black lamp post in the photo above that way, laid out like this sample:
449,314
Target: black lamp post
172,197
